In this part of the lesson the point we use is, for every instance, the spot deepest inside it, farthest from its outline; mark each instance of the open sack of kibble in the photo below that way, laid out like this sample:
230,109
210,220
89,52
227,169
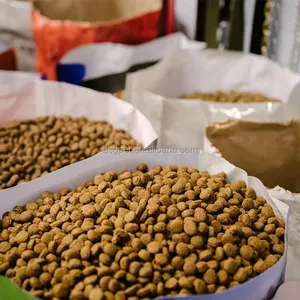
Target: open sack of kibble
47,125
170,93
267,150
145,225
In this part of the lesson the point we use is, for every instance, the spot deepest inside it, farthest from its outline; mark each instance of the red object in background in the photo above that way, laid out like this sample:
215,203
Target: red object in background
8,60
56,38
170,17
167,18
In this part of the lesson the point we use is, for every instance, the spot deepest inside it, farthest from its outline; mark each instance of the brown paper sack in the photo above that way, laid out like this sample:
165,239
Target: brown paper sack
267,150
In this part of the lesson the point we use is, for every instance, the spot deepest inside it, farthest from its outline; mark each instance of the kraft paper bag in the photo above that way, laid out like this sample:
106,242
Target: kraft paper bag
267,150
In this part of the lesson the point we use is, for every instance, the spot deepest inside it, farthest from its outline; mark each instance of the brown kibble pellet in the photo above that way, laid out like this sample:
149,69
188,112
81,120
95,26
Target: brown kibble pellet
189,267
22,237
267,211
197,241
227,238
177,262
176,225
96,294
255,243
260,266
4,247
161,259
278,248
144,255
182,249
270,260
200,215
230,249
210,276
219,253
220,289
129,217
280,232
213,264
230,266
200,286
33,270
139,234
171,283
270,228
233,284
211,288
223,277
247,252
190,227
206,255
248,204
153,247
240,275
213,242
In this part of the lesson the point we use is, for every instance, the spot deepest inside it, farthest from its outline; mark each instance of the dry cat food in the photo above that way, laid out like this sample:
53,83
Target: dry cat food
138,235
233,96
31,148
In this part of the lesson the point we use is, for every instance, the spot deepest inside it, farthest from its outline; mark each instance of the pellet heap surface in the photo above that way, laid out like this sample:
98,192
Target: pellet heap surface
139,235
230,97
31,148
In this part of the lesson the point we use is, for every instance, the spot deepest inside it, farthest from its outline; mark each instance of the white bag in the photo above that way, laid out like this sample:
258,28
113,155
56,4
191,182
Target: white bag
16,31
42,98
106,64
293,201
258,288
16,77
156,91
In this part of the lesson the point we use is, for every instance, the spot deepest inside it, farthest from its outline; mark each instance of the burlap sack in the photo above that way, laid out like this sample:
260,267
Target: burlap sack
267,150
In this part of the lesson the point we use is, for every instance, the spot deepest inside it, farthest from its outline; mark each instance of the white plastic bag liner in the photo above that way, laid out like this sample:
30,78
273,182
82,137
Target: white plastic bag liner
186,17
16,77
16,31
259,288
156,91
42,98
293,250
209,148
106,64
